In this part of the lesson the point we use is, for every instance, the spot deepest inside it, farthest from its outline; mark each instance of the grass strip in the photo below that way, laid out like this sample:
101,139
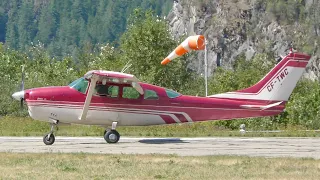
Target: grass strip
94,166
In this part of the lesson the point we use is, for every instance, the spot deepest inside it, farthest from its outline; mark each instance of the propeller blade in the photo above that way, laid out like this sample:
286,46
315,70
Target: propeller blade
22,86
22,79
21,103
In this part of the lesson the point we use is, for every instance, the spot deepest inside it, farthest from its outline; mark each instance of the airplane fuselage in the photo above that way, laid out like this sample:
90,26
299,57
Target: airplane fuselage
65,105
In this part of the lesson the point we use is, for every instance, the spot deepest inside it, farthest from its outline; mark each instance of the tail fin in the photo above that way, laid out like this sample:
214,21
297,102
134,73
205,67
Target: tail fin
278,84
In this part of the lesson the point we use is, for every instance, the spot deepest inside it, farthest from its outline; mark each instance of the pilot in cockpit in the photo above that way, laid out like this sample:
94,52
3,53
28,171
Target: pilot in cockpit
102,90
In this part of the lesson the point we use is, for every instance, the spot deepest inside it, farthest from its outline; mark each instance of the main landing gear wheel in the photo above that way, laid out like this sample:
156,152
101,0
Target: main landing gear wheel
49,139
112,136
105,131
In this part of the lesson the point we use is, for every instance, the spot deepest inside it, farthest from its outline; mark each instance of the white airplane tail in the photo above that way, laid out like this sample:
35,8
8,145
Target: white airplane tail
277,85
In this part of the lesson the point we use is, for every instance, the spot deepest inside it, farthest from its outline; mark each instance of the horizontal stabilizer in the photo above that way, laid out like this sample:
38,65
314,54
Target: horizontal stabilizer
261,107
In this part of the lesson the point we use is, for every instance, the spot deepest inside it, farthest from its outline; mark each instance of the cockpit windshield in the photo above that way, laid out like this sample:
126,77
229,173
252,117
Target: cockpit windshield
172,94
80,85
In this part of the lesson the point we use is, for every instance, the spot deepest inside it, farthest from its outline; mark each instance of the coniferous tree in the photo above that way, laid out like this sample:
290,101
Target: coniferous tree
47,24
26,25
12,29
3,20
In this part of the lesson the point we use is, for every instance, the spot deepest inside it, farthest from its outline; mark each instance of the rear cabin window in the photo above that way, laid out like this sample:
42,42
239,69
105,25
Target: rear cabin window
80,85
150,95
106,91
130,93
172,94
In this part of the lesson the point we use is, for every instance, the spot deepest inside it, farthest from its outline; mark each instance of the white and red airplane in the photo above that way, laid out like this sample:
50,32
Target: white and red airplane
107,98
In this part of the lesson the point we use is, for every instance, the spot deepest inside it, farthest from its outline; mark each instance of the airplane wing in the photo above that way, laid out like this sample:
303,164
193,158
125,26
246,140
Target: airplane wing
261,106
116,77
104,77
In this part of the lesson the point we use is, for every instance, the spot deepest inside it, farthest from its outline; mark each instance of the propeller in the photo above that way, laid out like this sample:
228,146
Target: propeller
20,94
22,86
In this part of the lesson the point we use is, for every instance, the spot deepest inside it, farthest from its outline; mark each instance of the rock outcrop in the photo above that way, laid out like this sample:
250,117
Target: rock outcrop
236,27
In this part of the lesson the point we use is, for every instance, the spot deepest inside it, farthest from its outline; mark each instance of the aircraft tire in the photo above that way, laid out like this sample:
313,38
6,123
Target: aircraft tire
105,131
49,141
112,136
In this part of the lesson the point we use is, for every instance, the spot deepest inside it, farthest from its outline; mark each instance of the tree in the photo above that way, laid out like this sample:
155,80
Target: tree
3,21
12,29
26,30
47,24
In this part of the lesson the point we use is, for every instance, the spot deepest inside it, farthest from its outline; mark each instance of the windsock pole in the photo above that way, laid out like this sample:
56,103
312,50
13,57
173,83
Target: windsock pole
206,67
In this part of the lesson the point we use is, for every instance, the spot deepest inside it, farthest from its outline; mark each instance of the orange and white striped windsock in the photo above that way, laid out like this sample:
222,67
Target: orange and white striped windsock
191,43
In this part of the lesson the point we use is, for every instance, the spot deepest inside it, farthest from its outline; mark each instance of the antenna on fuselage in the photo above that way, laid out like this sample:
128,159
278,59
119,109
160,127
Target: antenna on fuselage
127,66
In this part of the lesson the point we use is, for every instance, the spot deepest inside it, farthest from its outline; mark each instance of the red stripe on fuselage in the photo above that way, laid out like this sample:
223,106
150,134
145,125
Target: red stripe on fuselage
300,64
168,119
181,117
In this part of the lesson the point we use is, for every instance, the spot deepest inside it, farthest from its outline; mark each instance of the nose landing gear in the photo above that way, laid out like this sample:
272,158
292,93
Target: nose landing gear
49,138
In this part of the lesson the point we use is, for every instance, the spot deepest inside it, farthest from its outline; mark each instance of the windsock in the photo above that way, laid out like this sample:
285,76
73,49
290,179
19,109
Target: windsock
191,43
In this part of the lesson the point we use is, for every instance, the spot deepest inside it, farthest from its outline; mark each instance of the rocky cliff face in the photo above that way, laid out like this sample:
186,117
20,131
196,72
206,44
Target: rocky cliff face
236,27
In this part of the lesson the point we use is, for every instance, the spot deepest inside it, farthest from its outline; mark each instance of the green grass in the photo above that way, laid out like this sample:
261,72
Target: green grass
20,126
93,166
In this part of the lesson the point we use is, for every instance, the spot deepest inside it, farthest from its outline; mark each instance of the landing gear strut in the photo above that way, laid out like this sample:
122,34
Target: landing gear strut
111,135
49,138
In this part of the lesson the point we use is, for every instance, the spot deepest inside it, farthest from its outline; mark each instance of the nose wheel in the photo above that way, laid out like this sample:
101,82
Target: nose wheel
49,138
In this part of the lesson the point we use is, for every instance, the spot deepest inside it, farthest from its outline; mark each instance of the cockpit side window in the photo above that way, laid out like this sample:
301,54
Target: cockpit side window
107,91
80,85
150,95
130,93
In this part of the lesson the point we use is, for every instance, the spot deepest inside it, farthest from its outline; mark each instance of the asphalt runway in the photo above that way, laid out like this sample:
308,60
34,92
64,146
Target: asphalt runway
264,147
